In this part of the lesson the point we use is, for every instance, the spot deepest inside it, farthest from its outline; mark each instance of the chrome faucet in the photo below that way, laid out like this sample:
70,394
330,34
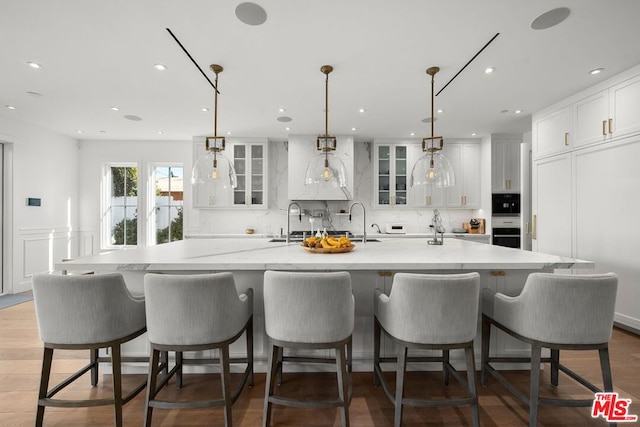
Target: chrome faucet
289,218
436,224
376,226
364,220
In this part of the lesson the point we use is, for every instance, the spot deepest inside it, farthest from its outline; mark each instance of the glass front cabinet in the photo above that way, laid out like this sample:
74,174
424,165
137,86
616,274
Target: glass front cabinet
391,181
249,160
249,157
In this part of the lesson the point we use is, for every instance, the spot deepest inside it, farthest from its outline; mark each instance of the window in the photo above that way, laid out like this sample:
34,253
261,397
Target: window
167,212
120,223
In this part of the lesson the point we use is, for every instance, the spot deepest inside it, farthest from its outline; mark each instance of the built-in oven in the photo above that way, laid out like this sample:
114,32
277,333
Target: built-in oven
505,231
505,204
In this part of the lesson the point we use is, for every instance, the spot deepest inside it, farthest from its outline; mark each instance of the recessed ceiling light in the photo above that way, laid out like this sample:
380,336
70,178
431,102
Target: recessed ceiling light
160,67
489,70
34,65
362,110
354,129
287,128
114,108
281,110
251,13
596,71
10,107
159,132
440,110
205,109
229,133
518,111
473,134
550,18
78,131
412,134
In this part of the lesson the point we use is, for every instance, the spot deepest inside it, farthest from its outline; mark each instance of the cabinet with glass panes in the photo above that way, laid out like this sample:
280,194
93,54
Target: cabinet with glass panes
390,174
250,163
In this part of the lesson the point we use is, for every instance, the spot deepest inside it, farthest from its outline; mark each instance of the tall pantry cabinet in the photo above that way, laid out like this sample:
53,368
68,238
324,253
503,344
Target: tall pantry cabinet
586,184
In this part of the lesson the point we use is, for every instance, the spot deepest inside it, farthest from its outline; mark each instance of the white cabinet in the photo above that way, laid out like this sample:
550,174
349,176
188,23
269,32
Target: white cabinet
428,196
250,162
249,158
591,118
624,103
505,166
551,205
552,132
301,148
465,159
391,169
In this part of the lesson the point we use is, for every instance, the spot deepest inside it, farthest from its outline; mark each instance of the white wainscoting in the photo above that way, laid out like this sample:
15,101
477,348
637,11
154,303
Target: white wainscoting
42,249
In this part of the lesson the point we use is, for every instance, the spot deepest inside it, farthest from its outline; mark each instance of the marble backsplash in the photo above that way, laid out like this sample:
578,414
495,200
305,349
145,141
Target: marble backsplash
273,220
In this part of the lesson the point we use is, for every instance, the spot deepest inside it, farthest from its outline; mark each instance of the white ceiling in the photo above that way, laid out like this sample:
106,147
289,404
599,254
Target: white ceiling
97,54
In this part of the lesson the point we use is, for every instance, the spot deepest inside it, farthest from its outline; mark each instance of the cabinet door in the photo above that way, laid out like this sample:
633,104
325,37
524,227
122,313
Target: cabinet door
590,117
249,160
625,108
465,159
390,175
505,166
552,205
551,133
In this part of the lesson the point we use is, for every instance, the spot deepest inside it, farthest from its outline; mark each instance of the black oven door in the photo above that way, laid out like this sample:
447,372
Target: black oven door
509,237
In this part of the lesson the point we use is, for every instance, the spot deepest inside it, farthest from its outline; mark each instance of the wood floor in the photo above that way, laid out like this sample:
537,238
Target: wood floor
21,355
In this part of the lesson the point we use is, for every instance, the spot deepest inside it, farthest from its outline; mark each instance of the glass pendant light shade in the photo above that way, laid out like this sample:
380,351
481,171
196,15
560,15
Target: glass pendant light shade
326,168
214,168
433,169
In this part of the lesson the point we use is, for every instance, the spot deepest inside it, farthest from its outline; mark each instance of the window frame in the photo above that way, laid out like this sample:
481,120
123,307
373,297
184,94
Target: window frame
106,206
151,216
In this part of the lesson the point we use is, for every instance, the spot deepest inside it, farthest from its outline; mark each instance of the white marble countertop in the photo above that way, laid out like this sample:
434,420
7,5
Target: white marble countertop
231,254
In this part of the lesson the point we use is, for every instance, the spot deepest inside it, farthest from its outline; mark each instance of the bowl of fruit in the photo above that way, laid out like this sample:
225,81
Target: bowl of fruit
328,244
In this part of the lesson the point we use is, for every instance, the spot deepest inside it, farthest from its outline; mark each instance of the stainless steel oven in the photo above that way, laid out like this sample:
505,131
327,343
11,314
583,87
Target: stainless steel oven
506,231
505,204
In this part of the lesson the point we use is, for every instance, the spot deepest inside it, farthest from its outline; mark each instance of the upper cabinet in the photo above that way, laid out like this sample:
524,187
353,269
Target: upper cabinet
505,166
249,158
391,169
604,113
301,148
465,159
552,132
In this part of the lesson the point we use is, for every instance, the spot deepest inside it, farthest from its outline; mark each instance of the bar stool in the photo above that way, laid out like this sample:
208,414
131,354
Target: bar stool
86,312
308,311
194,313
558,312
434,312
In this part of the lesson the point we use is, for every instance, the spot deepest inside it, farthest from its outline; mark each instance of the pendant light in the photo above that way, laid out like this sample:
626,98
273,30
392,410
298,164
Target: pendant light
214,169
326,167
433,167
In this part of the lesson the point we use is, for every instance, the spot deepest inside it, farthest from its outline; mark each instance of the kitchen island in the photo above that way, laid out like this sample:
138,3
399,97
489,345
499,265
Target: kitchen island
371,264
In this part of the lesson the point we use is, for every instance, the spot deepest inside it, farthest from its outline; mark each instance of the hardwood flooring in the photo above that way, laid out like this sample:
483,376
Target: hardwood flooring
21,355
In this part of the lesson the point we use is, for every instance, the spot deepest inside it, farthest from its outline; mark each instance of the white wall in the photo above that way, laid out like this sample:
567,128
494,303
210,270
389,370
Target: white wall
94,154
38,163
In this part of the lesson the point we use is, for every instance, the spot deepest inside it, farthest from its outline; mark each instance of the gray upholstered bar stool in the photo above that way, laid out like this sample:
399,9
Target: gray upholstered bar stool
86,312
433,312
558,312
308,311
193,313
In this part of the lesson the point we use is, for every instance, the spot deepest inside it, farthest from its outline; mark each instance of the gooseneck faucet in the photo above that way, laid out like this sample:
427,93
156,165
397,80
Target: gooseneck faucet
376,226
364,220
289,218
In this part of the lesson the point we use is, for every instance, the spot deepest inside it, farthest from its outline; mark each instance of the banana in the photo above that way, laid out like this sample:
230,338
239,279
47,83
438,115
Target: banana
325,244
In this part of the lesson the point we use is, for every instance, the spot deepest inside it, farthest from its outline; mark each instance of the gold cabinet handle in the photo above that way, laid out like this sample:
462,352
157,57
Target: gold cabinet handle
526,228
610,127
533,227
566,138
428,200
604,127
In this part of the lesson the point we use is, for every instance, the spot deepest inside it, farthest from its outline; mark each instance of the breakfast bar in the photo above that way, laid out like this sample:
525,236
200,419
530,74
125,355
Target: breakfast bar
371,265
